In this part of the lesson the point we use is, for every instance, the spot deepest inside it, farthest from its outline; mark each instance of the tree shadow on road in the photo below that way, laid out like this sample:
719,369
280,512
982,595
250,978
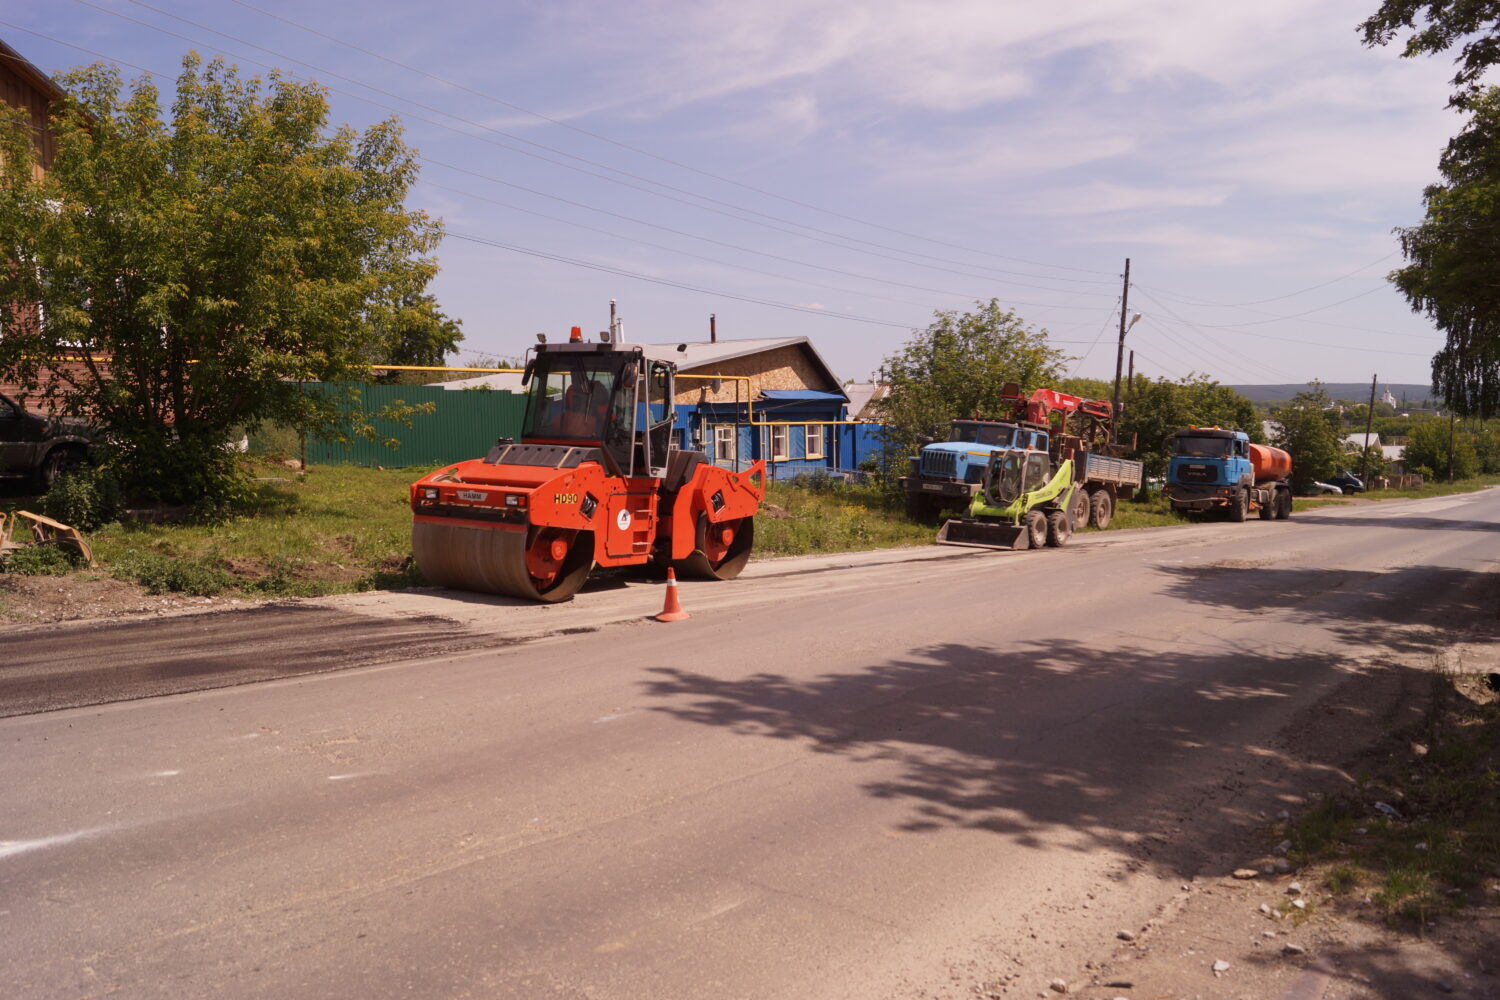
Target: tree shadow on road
1405,523
1047,743
1409,610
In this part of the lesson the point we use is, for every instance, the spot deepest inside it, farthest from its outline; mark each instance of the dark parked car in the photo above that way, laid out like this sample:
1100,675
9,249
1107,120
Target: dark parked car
1348,482
38,447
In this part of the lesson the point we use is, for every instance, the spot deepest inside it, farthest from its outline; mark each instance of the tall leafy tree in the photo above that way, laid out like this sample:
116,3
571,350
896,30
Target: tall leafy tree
1429,445
200,262
957,368
1310,432
1436,26
1453,274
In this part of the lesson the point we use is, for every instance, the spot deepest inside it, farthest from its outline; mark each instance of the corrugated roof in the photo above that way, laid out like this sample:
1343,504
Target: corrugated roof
861,395
794,394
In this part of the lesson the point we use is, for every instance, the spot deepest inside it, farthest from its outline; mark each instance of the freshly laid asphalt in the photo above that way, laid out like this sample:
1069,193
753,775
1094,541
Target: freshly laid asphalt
899,775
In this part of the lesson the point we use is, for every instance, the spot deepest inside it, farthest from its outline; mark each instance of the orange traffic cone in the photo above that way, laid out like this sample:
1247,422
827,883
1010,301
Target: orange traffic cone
672,610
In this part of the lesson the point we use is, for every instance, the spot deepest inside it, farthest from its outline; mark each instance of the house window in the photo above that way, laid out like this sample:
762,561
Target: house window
814,440
723,442
780,443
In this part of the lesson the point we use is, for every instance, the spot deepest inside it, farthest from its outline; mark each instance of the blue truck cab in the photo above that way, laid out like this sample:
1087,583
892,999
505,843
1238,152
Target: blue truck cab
1209,457
947,474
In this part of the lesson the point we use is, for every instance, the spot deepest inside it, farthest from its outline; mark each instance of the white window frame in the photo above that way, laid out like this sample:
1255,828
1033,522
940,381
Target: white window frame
781,443
812,443
723,442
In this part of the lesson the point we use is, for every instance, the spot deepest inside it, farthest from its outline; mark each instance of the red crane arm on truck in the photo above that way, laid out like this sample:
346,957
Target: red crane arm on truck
1043,402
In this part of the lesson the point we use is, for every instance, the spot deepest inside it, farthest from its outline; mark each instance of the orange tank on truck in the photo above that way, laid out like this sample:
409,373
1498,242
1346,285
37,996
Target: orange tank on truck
1269,463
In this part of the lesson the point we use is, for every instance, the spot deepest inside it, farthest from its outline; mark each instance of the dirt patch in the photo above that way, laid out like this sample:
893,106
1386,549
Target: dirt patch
78,596
1313,905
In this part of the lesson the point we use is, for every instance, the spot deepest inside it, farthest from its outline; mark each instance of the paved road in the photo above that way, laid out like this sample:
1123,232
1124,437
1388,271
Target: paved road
901,775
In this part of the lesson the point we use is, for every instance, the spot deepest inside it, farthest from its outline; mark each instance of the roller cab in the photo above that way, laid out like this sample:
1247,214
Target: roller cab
596,480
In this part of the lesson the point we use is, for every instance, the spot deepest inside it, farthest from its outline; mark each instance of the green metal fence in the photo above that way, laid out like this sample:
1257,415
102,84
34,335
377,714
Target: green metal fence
463,424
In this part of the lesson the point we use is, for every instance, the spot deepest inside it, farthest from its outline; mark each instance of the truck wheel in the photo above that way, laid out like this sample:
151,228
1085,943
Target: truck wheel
1283,504
1269,507
920,507
1237,505
1079,505
1101,509
1059,530
1035,523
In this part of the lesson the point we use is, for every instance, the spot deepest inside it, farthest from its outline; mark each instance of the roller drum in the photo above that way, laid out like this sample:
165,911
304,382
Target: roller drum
721,562
493,561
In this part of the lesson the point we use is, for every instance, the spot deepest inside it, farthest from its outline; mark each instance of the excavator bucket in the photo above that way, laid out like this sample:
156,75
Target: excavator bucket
989,534
45,531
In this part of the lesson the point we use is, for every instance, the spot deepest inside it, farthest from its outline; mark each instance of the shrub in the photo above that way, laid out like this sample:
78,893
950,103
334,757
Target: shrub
161,573
87,498
39,560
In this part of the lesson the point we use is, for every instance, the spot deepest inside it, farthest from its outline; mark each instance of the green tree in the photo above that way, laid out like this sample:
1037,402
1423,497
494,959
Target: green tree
1428,447
203,262
1486,443
956,368
417,332
1371,461
1309,436
1157,408
1436,26
1454,262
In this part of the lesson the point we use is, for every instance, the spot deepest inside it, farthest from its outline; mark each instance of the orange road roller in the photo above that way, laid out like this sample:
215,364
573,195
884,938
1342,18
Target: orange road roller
595,480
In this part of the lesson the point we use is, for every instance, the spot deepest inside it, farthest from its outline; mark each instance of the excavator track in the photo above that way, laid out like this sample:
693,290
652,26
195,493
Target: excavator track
513,563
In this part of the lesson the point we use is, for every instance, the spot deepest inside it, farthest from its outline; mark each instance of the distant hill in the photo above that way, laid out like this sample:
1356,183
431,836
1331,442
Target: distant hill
1358,391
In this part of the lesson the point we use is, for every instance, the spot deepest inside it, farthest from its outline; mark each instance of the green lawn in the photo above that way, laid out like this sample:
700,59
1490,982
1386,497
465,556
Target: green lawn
341,529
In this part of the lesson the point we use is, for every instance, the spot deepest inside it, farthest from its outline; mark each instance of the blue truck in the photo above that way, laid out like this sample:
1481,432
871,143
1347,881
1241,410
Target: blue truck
946,475
1214,470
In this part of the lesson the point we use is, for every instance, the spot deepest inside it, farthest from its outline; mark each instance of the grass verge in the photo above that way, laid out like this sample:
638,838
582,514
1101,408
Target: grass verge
822,514
336,530
1421,836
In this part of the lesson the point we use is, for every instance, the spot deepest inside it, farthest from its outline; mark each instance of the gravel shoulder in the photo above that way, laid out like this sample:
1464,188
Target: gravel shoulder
1254,924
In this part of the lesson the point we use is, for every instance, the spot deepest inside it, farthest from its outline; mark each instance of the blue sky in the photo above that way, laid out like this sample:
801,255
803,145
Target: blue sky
839,169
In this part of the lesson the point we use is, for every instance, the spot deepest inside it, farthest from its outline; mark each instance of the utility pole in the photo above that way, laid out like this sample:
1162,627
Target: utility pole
1114,424
1130,379
1364,461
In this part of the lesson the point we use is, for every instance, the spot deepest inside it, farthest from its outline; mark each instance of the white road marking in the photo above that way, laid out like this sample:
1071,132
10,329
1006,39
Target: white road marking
9,848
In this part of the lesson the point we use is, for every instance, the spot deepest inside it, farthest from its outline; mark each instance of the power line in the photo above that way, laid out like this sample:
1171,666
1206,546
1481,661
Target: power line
1288,295
621,272
724,208
644,152
1292,340
1307,312
1314,322
1078,362
732,246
